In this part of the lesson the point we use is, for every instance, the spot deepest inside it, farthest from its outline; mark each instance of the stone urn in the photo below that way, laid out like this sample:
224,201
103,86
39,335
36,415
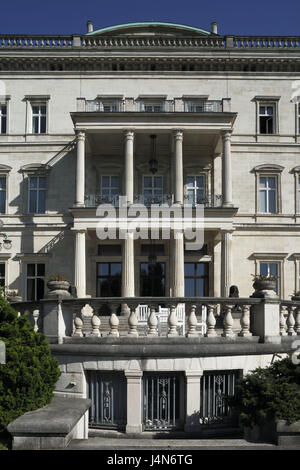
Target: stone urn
58,288
264,288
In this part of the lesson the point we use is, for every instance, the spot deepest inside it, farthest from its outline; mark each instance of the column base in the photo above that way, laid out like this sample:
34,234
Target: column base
137,429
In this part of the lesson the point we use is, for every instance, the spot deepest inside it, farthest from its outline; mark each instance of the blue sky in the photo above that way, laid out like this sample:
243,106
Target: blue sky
233,16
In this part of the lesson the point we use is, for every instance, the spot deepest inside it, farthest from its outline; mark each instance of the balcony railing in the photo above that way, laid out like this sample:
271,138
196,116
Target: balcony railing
227,318
210,201
140,106
149,200
94,200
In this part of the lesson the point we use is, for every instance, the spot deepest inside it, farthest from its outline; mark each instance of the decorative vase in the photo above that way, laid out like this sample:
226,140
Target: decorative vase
58,288
264,288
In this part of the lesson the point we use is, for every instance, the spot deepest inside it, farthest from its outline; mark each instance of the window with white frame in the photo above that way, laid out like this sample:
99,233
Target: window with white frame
152,189
195,189
267,118
2,194
3,118
37,195
267,194
110,106
39,118
35,281
2,274
270,269
153,107
110,188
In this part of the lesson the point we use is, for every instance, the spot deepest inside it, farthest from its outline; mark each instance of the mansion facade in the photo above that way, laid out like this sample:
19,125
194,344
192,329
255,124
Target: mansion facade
159,113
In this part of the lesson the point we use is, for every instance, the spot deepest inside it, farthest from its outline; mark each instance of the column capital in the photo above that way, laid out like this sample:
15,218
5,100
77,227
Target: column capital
128,134
178,134
226,133
80,135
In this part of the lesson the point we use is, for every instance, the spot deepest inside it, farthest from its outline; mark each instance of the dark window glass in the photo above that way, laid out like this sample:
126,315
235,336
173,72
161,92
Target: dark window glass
196,279
152,279
37,195
109,279
3,117
109,250
3,194
35,281
2,274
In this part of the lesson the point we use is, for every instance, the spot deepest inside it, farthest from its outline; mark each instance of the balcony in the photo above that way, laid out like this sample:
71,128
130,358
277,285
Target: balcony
143,106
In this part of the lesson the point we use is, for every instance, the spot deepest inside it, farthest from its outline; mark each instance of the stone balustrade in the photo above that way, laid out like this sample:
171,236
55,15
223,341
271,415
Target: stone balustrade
289,318
45,42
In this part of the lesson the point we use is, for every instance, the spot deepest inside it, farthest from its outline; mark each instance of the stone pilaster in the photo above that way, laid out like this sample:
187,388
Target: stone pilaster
129,173
178,167
178,264
134,401
226,263
80,169
80,263
226,169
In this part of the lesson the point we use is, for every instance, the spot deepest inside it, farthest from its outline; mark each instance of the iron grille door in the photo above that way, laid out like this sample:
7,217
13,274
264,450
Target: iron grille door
215,385
161,401
107,390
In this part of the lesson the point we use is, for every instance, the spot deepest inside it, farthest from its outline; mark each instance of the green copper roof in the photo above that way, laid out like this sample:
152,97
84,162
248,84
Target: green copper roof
147,23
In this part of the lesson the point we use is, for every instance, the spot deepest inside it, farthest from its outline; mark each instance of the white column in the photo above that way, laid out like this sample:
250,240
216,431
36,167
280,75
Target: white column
193,378
80,169
178,167
226,263
129,173
80,266
128,244
134,401
178,263
226,169
128,267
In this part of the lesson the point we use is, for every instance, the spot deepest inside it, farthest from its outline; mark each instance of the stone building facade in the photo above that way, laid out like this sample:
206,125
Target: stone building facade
159,113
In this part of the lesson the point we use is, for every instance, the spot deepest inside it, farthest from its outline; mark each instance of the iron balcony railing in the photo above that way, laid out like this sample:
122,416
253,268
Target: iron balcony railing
149,200
166,106
209,201
94,200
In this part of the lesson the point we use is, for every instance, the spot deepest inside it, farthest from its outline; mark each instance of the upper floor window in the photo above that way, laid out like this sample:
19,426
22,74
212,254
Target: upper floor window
195,189
2,194
2,274
152,189
153,104
153,107
110,188
270,269
37,194
267,192
3,118
267,119
39,118
298,118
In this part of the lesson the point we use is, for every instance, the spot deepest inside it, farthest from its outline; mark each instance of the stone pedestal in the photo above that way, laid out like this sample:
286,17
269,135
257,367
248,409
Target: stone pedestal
192,400
134,401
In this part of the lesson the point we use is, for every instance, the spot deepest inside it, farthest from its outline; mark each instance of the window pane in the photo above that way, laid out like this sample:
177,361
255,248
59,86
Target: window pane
2,269
33,201
263,201
42,182
262,110
189,287
33,183
30,269
271,182
190,181
115,181
40,269
30,289
42,202
273,269
2,202
43,125
147,182
3,183
200,287
158,182
3,125
35,109
264,269
115,269
263,182
200,181
270,110
189,269
103,269
272,202
43,109
105,181
40,288
200,269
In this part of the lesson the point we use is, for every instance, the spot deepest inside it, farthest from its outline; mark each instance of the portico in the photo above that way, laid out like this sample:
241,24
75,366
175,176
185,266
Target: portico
214,128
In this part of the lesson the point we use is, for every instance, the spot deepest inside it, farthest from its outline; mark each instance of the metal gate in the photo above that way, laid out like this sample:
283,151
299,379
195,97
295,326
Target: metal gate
162,401
107,390
215,385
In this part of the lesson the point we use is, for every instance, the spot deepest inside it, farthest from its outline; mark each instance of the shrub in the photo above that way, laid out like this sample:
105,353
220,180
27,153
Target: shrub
270,393
28,378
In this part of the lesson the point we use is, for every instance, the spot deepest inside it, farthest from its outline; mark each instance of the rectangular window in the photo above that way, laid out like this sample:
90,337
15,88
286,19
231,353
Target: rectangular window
2,274
109,277
152,279
267,119
37,195
110,189
270,269
2,194
3,118
267,194
195,189
153,190
196,279
39,117
35,281
299,119
299,193
110,106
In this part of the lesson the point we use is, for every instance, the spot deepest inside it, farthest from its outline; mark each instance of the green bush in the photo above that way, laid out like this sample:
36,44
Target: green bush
28,378
270,393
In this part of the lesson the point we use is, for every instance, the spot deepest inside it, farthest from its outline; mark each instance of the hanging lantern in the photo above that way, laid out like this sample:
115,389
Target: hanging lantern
153,163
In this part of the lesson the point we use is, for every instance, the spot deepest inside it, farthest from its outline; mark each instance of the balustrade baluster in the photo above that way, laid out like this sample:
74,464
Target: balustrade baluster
172,321
291,321
297,321
132,322
78,325
96,322
192,322
36,314
245,321
282,320
114,325
211,321
228,323
152,322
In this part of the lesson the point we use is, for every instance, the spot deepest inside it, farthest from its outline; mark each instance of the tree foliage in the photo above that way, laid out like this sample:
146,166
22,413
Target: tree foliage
27,380
269,393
